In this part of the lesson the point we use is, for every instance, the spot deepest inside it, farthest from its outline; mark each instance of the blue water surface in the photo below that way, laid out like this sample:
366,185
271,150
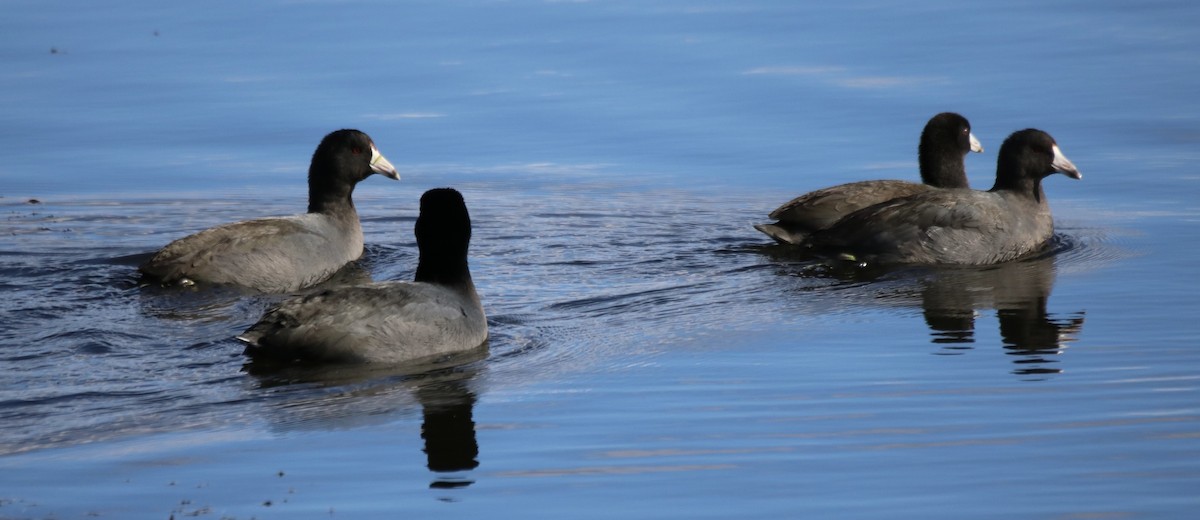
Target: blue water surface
651,354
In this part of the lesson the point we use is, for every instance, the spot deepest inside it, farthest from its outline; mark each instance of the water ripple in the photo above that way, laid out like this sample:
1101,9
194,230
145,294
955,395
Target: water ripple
92,355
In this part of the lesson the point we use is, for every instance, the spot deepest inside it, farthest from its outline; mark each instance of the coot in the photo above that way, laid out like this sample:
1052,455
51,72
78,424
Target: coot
284,254
945,141
438,313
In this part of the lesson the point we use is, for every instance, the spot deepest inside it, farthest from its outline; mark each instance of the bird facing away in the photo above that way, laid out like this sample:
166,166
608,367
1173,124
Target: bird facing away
283,254
944,143
436,314
959,226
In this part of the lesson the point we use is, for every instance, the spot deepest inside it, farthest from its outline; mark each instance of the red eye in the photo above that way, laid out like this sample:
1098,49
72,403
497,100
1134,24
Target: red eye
356,150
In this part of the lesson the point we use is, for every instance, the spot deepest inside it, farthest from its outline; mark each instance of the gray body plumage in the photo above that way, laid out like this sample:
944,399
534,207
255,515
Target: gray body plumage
275,255
960,226
388,322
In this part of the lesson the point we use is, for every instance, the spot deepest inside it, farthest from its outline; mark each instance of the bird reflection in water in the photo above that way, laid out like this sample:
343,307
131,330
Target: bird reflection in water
951,299
448,430
339,396
1019,292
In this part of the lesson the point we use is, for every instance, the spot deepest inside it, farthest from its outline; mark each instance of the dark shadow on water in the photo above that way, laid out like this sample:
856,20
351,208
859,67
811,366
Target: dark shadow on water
951,298
133,260
799,262
271,374
188,304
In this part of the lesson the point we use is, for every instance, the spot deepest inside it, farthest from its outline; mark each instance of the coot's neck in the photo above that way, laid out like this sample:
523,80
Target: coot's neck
445,269
942,168
329,196
1012,179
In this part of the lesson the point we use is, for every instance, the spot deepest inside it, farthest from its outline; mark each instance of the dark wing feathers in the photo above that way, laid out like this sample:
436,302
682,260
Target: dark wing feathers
822,208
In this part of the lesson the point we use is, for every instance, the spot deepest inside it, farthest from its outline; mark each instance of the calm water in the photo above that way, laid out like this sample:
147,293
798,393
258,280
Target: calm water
652,356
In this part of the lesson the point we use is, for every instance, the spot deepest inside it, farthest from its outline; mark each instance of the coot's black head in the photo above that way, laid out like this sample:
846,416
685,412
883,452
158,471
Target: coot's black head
1032,153
945,140
444,227
343,158
949,127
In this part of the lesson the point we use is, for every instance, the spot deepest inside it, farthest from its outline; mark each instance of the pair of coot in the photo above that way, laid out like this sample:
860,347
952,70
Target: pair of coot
436,314
942,221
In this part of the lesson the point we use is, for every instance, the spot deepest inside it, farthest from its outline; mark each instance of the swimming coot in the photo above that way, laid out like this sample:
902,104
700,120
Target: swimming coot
438,313
284,254
945,141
